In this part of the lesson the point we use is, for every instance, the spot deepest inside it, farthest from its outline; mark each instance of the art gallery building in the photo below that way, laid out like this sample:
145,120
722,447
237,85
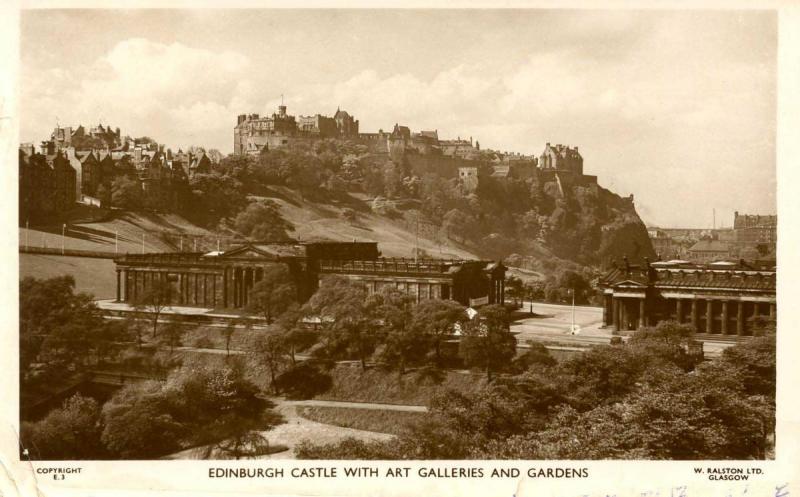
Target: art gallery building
720,298
225,279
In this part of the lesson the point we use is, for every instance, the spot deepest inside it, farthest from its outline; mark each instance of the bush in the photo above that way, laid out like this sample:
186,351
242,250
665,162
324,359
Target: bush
303,381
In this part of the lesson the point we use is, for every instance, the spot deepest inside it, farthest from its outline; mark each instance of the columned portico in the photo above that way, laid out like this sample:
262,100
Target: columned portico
708,298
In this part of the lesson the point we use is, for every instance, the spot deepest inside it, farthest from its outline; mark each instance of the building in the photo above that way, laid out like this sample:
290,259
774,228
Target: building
722,298
225,279
755,229
561,158
254,133
468,178
469,282
346,125
708,250
318,126
46,184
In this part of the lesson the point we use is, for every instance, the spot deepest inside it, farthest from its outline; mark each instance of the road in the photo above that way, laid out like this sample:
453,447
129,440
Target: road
553,321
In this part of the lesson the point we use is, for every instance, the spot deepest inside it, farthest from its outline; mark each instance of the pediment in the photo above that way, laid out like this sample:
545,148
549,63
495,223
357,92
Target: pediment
630,284
247,252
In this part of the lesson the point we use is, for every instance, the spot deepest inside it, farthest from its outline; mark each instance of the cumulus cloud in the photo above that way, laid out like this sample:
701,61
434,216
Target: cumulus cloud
171,91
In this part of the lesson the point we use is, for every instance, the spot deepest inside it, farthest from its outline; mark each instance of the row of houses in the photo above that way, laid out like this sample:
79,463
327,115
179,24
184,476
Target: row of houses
53,179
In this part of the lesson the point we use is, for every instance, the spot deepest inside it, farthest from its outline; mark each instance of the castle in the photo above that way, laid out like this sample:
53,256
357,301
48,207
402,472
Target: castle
254,133
424,152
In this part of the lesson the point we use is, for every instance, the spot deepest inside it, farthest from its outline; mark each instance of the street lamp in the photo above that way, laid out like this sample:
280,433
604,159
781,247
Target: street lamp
63,234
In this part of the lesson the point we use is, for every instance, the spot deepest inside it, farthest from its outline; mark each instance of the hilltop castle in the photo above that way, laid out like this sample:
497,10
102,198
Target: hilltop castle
423,151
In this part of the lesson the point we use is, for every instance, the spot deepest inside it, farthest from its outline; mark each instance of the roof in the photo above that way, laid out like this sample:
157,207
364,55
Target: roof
721,276
709,246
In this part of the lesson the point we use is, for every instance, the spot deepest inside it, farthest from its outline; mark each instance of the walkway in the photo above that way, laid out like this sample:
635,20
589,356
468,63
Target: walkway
351,405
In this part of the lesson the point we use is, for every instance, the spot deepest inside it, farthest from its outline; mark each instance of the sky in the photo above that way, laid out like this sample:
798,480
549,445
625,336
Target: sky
675,107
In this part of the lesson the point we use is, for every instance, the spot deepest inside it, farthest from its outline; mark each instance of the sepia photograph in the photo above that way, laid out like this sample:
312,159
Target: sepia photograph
529,234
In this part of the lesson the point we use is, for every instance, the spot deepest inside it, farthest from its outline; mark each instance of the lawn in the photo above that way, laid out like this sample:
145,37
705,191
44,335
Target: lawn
377,420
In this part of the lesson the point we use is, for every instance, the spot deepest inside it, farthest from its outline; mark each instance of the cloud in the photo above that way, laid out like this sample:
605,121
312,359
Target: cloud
169,91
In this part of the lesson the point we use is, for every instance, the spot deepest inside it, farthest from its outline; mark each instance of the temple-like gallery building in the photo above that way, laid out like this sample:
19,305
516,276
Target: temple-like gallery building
723,298
225,279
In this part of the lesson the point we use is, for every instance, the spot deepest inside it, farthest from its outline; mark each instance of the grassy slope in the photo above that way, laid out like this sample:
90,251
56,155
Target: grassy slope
95,276
377,420
100,235
315,221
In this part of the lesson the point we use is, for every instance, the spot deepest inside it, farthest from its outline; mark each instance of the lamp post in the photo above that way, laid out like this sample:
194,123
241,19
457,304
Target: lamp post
63,234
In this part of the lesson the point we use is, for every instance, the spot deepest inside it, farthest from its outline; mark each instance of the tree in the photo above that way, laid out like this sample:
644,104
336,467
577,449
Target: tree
757,360
270,350
295,335
126,193
514,289
537,356
138,423
227,334
154,299
69,432
403,343
303,381
437,320
487,342
262,221
458,225
274,293
349,328
173,333
59,329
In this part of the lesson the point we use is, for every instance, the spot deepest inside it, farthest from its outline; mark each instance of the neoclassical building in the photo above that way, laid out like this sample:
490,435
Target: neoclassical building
225,279
722,298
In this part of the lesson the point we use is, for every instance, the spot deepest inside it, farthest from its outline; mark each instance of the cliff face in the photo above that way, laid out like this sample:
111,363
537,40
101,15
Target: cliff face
574,221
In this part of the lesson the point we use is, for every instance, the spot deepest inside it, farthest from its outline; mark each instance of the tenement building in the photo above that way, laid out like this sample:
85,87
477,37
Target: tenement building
722,298
226,279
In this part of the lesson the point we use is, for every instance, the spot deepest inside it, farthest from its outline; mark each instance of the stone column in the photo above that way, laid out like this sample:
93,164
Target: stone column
641,314
225,287
694,315
709,316
772,311
119,292
724,317
615,313
740,318
679,310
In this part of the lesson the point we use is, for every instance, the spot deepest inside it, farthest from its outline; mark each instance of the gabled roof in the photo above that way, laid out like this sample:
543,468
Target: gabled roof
267,250
709,246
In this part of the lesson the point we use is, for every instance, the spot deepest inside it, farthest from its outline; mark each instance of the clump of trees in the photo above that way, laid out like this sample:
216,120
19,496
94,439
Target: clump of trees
62,332
214,406
647,399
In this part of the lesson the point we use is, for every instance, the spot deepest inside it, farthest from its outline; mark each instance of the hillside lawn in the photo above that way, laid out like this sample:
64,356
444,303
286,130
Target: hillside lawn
95,276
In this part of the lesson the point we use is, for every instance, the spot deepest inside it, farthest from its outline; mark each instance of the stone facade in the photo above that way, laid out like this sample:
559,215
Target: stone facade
561,158
254,133
225,279
717,299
